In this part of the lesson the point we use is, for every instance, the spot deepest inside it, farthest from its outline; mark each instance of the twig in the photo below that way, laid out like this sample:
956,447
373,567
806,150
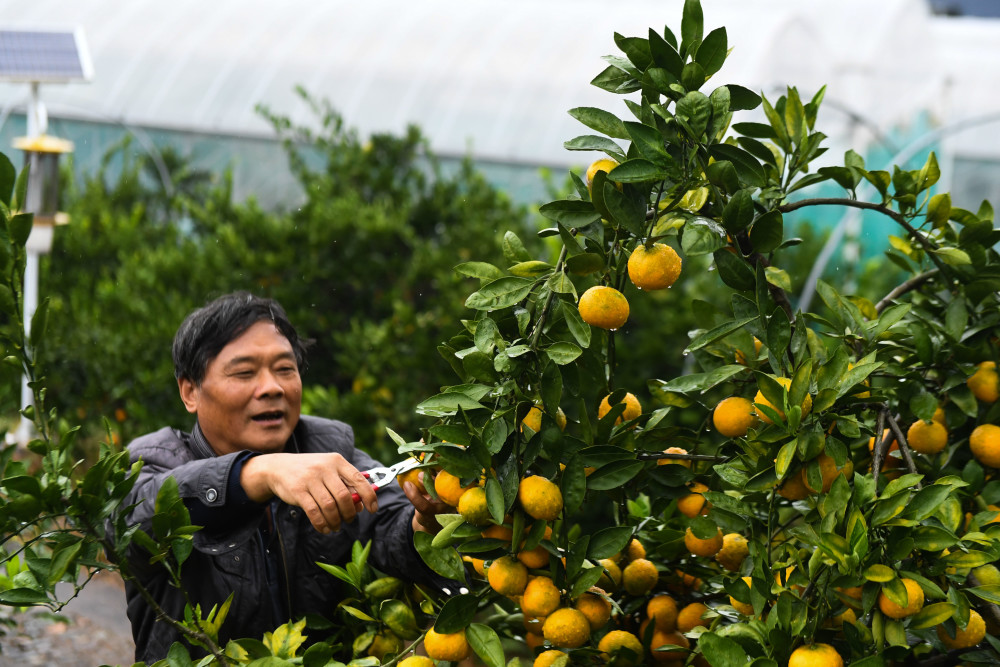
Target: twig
649,456
904,448
879,451
540,322
909,285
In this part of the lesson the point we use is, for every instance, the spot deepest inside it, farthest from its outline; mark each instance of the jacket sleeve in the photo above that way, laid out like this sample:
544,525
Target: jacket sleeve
164,454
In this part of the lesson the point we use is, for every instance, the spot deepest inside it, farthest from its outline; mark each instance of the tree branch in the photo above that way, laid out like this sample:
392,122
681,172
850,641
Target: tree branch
910,285
904,447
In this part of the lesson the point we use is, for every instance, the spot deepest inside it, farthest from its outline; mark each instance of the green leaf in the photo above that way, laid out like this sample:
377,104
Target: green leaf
400,619
23,597
577,327
456,613
591,142
713,50
932,538
747,167
602,121
701,382
448,403
500,293
733,271
614,475
990,593
563,353
971,559
723,174
445,562
722,651
695,109
513,248
953,256
8,176
939,209
702,236
615,80
20,228
879,573
664,55
767,232
719,332
647,140
931,615
930,173
636,49
637,170
571,212
608,542
692,26
743,99
20,198
738,213
481,270
485,642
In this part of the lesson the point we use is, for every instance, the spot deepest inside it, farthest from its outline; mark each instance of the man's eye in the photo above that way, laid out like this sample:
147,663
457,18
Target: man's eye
243,374
288,369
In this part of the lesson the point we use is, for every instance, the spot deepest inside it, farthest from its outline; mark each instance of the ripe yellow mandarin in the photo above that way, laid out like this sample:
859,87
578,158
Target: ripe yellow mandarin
663,610
546,658
704,548
786,383
472,507
384,643
635,550
927,438
540,498
612,577
689,617
694,503
846,616
603,307
734,551
734,416
449,488
984,442
985,383
632,408
596,608
664,639
416,661
939,416
533,419
605,165
413,476
540,597
566,628
640,576
674,450
794,487
744,608
684,583
533,640
655,267
452,647
974,632
851,596
507,576
815,655
914,601
622,645
534,559
478,564
829,470
497,532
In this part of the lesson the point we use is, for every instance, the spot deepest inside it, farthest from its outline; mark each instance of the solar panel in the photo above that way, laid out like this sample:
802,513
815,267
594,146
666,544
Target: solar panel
47,56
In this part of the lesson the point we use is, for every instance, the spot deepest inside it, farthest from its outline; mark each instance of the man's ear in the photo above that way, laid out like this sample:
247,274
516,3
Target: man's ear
189,394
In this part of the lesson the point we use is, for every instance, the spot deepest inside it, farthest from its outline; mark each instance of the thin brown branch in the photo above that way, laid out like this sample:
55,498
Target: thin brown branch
880,450
908,286
651,456
904,447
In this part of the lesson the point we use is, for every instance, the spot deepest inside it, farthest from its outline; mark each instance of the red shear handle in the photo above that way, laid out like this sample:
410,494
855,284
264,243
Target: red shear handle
356,498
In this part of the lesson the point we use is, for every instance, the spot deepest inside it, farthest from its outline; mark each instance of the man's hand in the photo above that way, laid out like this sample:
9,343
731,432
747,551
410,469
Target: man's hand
426,508
321,484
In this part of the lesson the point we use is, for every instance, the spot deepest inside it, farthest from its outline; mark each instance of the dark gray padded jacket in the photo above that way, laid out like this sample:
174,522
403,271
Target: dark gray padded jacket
230,558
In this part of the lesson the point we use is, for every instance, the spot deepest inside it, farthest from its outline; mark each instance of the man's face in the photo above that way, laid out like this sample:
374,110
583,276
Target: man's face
251,396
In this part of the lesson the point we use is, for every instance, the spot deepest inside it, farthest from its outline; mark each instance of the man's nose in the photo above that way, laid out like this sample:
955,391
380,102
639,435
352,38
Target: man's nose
269,385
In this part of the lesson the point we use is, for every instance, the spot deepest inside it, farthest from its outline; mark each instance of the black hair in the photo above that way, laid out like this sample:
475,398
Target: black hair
207,330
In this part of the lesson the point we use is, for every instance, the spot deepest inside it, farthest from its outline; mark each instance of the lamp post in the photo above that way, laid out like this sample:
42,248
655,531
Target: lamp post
41,156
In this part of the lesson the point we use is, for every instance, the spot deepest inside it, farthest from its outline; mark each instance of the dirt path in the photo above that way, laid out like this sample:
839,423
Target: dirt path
98,632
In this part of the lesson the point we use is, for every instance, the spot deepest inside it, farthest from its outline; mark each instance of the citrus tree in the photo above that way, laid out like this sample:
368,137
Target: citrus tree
818,491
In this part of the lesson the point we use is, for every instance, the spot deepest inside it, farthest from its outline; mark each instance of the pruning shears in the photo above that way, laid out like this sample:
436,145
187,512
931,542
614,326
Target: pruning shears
382,475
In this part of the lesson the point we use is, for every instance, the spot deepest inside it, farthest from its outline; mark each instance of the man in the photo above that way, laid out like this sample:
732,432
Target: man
272,489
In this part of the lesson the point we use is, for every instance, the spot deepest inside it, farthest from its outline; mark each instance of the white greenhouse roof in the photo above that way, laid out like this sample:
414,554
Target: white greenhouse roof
496,78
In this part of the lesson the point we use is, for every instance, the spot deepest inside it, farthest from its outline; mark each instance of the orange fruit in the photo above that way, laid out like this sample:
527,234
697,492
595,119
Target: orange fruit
540,597
498,532
596,608
603,164
734,416
828,469
974,632
674,450
664,639
689,617
416,661
413,476
914,601
384,643
533,419
851,596
546,658
472,507
984,442
694,503
704,548
794,487
540,498
604,307
786,383
612,577
566,628
507,576
640,576
654,267
623,646
452,647
632,408
635,550
742,359
815,655
734,551
663,610
985,383
927,438
449,488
